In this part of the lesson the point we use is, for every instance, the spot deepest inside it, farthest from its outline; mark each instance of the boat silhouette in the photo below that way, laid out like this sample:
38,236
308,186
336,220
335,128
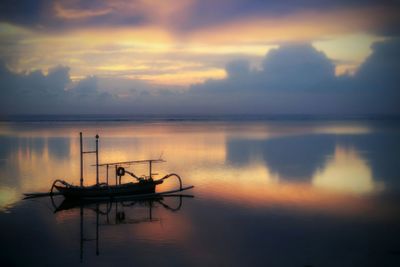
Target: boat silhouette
143,186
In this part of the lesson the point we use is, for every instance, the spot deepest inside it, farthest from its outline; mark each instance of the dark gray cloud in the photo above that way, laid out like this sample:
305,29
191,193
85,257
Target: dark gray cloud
300,79
295,79
238,69
293,67
42,14
35,92
381,69
25,12
297,66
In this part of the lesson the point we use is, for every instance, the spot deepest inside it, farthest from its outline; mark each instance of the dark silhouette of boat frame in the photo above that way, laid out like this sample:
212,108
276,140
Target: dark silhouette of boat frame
144,186
104,190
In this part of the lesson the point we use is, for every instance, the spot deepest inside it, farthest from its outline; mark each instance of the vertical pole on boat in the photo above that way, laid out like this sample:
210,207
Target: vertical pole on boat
150,161
107,173
97,159
116,176
81,146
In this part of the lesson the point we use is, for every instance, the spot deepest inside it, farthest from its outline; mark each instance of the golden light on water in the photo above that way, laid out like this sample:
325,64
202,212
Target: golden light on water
201,157
346,172
8,197
256,186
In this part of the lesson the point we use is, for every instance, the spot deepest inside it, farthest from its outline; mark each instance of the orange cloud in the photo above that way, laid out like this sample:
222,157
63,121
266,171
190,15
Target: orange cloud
69,13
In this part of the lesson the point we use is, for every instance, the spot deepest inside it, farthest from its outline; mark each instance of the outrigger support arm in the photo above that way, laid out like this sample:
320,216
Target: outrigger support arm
61,182
170,175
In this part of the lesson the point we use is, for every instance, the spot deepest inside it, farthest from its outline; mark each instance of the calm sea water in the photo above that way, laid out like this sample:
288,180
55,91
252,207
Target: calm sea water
267,193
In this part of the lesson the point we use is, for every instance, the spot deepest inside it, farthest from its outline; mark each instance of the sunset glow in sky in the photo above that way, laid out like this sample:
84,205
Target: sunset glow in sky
176,44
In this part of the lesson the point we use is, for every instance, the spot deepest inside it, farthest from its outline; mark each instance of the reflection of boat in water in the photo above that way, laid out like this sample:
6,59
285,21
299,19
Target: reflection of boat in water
144,185
73,203
123,210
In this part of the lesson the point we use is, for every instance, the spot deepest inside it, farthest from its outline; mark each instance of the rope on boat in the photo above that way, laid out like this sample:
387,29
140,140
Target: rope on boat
170,175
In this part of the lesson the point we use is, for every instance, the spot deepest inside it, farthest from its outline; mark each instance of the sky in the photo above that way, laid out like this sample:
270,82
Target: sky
199,57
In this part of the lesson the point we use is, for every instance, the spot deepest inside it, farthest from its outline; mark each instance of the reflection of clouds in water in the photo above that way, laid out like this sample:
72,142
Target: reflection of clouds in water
342,129
33,163
257,172
37,164
294,158
255,186
346,172
229,160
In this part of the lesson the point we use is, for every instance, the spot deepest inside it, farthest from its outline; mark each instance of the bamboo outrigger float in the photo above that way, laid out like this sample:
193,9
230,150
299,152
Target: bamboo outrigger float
144,186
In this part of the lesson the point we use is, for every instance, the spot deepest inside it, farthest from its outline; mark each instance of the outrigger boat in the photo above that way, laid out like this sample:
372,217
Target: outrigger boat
142,187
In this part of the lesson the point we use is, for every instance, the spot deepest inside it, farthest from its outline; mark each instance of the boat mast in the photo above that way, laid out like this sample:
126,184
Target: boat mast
81,146
150,161
97,159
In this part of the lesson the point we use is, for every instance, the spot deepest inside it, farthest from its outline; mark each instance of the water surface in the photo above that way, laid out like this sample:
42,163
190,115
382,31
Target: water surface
267,193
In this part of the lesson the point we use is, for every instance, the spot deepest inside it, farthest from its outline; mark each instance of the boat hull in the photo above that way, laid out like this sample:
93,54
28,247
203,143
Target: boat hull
144,187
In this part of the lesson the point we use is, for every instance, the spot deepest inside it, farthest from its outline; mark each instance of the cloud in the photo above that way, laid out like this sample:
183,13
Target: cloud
86,87
381,69
294,78
301,24
35,92
24,12
92,36
185,16
238,70
32,91
67,13
297,78
294,67
297,66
